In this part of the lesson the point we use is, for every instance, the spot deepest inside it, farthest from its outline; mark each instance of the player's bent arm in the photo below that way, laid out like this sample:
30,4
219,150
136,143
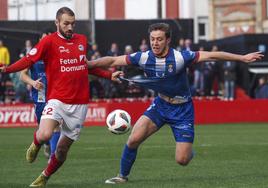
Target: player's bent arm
108,61
37,84
248,58
25,77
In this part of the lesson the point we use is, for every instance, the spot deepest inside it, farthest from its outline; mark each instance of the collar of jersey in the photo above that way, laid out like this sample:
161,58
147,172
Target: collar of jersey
164,56
62,36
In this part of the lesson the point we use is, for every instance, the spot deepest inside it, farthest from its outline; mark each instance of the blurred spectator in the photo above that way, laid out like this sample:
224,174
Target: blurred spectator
261,92
9,90
229,69
143,46
96,55
2,89
218,77
212,76
114,50
208,72
110,89
5,87
20,88
4,60
94,52
27,48
96,89
128,50
199,77
180,44
188,44
4,54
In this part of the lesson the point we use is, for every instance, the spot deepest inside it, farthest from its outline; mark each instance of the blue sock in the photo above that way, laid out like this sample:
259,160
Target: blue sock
53,142
127,160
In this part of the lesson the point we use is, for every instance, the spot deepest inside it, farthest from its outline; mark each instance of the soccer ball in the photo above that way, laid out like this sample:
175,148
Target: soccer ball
118,121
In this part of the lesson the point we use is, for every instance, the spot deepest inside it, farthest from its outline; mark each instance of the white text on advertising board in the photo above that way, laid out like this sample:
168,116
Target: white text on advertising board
96,114
16,114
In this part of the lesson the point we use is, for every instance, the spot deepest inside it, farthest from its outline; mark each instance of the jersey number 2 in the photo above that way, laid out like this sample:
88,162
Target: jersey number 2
48,111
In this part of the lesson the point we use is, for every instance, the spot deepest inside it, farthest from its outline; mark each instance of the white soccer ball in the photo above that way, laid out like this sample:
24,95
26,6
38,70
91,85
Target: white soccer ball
118,121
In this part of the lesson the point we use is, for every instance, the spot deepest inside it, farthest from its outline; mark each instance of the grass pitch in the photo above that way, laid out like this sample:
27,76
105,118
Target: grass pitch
227,156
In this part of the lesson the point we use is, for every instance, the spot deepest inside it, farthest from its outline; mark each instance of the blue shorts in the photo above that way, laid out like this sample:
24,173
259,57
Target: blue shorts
39,107
180,117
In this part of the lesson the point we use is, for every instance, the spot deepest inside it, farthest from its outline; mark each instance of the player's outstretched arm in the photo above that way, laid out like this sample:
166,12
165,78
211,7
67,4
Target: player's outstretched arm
248,58
19,65
37,84
108,61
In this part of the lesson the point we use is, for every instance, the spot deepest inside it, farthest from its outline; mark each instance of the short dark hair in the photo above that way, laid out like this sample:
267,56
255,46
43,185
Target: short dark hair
162,27
64,10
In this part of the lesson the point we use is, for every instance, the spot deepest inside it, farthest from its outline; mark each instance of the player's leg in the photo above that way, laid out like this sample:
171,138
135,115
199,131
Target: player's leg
146,125
49,121
54,140
58,158
184,136
55,161
142,129
183,131
184,153
39,107
73,117
47,150
42,135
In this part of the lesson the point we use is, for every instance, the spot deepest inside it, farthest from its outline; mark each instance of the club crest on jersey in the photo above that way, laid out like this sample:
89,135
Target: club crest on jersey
170,68
62,49
33,51
81,47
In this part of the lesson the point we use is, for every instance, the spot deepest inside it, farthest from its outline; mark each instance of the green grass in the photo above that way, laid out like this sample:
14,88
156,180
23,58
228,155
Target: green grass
227,156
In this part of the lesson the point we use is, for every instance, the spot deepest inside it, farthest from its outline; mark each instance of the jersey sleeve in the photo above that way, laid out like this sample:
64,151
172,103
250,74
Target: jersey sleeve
134,58
38,52
189,57
100,73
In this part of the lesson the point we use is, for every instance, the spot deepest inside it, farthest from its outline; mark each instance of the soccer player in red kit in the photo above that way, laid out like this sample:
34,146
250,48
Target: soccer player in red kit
64,56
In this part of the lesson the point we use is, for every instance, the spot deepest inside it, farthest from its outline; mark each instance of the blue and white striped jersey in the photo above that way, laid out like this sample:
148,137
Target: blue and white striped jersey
165,75
38,71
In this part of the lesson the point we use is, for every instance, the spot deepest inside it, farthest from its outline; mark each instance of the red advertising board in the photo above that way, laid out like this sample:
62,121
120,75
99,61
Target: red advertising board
206,112
17,116
96,114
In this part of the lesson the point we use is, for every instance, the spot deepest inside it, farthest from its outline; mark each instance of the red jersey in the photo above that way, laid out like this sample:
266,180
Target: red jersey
65,67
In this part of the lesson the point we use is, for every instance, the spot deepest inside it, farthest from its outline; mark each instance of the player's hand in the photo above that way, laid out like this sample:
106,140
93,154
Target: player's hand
251,57
38,84
2,68
116,75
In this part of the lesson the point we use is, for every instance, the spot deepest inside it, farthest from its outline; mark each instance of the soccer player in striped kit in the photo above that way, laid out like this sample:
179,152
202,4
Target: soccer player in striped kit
165,73
64,56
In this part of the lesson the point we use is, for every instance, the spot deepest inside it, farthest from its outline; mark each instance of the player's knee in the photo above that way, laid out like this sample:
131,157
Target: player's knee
133,142
183,161
44,135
